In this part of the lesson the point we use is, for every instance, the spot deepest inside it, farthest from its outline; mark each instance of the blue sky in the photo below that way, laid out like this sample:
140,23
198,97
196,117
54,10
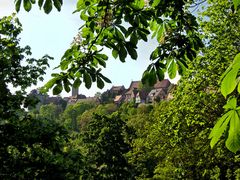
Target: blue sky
52,34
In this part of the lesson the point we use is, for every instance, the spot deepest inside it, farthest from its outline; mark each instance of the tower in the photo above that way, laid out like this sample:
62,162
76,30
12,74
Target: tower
74,91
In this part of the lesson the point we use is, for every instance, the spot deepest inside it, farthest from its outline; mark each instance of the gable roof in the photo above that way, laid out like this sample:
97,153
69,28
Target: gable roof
155,92
133,85
162,84
117,88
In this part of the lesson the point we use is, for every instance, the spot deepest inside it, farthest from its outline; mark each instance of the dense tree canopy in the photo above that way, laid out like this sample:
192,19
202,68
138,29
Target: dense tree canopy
165,140
30,147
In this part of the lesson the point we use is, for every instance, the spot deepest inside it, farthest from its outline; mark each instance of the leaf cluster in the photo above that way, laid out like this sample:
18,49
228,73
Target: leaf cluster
120,26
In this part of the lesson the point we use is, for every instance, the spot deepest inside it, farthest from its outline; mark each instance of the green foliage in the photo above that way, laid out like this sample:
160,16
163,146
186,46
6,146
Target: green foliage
102,109
30,151
50,111
229,78
46,4
104,140
236,4
120,26
139,121
176,142
30,147
229,81
232,117
72,113
170,141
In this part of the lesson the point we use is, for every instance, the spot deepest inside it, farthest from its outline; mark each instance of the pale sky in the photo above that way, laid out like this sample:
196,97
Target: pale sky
52,34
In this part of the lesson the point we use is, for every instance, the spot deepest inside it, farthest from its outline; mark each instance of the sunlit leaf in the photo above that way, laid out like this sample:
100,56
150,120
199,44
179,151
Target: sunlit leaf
228,83
138,4
161,32
236,3
114,53
83,16
172,69
238,88
155,2
64,64
219,128
231,104
50,83
233,140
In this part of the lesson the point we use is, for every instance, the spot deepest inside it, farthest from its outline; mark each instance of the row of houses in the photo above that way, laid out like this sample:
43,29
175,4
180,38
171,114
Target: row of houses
137,93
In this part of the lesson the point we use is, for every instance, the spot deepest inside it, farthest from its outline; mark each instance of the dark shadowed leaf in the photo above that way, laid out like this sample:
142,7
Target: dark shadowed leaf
47,6
18,5
132,52
105,79
87,80
100,83
160,74
27,5
67,85
57,89
77,83
57,4
40,3
152,79
122,54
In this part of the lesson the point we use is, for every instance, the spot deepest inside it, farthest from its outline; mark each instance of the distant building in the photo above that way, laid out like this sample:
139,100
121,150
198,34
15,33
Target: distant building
74,99
109,95
160,91
132,91
142,95
117,90
164,84
46,99
119,99
156,95
171,90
